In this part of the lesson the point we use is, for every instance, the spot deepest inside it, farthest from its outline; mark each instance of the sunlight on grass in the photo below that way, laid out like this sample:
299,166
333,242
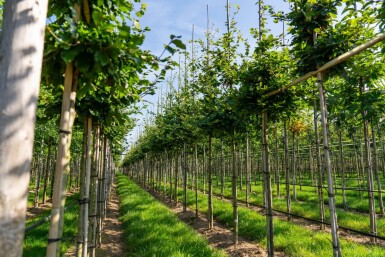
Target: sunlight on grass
152,230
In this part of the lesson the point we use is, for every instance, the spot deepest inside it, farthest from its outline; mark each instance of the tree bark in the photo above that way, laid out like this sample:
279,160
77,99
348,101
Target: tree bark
332,206
377,172
62,166
210,184
268,191
319,169
287,169
21,54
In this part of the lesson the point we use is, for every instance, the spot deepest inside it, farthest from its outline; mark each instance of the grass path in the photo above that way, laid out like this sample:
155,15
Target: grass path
151,229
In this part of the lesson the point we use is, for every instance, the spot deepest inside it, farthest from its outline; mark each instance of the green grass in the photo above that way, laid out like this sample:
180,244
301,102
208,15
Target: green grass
307,205
290,238
152,230
35,242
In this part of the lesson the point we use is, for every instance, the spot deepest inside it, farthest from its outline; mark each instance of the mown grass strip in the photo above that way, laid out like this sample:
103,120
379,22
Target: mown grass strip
151,229
35,242
289,238
307,206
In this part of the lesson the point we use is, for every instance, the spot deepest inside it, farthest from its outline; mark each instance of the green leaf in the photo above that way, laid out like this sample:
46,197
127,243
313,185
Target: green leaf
69,55
102,58
178,43
136,24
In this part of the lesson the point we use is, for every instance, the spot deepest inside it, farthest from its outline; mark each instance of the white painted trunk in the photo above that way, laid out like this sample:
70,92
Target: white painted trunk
21,54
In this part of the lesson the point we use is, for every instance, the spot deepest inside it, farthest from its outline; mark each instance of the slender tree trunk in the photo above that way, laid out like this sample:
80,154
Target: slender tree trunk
210,184
176,178
358,166
47,171
196,166
82,200
342,165
87,185
94,192
377,172
204,170
21,53
268,191
319,169
234,191
184,177
62,164
332,206
223,163
294,167
40,168
277,174
248,182
287,170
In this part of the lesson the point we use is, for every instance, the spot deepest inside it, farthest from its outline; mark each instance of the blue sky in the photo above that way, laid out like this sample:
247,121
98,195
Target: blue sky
166,17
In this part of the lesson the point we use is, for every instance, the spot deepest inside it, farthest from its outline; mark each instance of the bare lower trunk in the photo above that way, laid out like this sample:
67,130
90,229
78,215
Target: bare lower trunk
268,191
287,170
62,166
319,169
21,54
210,191
234,191
377,172
82,199
332,206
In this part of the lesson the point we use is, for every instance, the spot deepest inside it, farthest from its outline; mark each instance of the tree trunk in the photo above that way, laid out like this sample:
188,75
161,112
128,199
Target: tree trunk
87,185
287,170
21,53
184,177
342,164
196,166
248,185
62,164
39,172
210,184
294,167
377,172
332,206
47,171
277,175
222,171
319,169
268,191
94,192
82,199
234,191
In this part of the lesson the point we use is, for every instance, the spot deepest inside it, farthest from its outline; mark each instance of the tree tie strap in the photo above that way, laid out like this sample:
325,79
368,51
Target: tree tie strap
53,240
67,132
92,216
83,201
330,195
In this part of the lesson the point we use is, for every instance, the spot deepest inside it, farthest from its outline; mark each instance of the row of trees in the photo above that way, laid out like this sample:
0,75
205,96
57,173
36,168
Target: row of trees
95,46
229,95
